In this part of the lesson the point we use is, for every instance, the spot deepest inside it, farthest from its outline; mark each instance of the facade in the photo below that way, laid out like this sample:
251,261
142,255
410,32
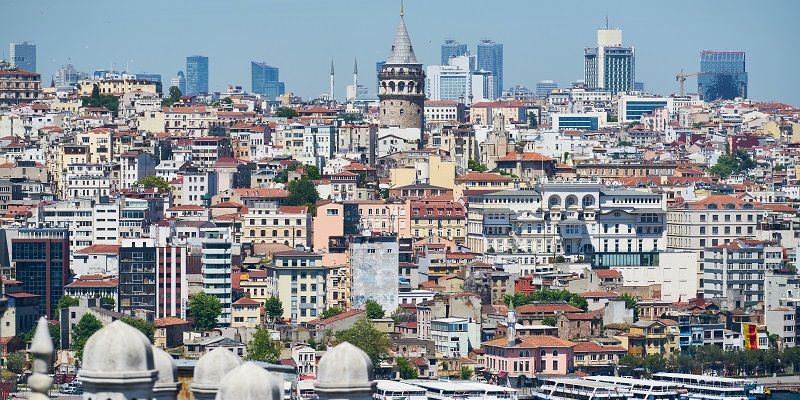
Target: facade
609,66
735,270
722,75
490,59
374,263
401,87
246,313
265,81
451,336
138,272
544,88
23,56
451,48
196,75
19,87
217,253
41,257
178,81
529,356
299,282
458,81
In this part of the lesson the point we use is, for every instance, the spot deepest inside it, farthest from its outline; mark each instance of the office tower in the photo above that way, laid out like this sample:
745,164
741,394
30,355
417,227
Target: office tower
217,251
378,67
451,48
41,257
609,66
544,88
402,84
458,81
149,77
638,86
67,75
137,275
265,80
196,75
373,263
722,75
23,56
180,81
490,58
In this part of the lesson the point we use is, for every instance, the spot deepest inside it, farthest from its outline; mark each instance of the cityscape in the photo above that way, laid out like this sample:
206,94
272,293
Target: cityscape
418,224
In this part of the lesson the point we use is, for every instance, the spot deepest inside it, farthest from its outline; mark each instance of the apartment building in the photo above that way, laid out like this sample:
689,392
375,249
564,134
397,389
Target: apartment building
299,283
268,222
446,219
735,270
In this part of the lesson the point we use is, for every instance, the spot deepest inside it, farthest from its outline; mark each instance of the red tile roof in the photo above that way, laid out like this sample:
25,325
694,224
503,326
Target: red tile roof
246,301
483,176
532,341
162,322
535,308
592,347
526,156
346,314
100,249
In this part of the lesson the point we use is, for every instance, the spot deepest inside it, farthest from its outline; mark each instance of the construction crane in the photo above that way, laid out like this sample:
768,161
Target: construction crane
682,78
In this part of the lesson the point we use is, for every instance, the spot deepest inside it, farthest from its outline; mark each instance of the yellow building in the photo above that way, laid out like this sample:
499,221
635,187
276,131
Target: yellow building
116,87
481,181
246,313
435,170
337,287
651,337
256,285
444,219
289,225
99,141
783,130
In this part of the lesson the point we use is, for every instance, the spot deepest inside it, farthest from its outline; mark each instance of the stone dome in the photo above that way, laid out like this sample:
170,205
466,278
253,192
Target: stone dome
212,367
344,367
250,382
117,349
166,365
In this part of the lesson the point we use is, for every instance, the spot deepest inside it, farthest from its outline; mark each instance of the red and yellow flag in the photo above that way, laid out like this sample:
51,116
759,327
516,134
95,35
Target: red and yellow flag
750,336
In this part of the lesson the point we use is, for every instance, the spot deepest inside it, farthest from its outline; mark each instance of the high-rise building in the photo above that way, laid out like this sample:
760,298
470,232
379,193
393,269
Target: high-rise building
609,66
544,88
217,252
138,275
402,84
265,80
490,58
41,257
196,75
23,56
67,75
451,48
723,75
458,81
373,264
180,81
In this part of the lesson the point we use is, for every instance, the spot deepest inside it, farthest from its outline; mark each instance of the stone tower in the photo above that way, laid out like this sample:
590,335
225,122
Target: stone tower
402,84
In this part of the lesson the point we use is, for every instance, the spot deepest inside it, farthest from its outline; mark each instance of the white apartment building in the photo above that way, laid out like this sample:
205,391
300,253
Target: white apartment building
89,181
709,222
736,270
135,166
319,145
89,222
217,252
453,337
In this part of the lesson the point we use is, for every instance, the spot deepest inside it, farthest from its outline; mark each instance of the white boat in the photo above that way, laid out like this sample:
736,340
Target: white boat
645,389
392,390
580,389
702,387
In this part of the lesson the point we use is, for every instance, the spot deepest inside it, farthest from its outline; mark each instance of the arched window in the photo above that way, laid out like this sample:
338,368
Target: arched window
401,87
555,353
286,232
554,201
544,353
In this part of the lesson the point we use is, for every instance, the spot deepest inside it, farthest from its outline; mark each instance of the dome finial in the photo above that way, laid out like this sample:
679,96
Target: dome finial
401,8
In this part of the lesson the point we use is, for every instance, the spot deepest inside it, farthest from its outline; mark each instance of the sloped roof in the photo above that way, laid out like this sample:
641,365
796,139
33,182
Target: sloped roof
402,52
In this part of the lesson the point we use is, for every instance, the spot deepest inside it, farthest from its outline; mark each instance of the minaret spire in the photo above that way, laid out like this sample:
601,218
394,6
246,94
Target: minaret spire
355,79
333,98
401,8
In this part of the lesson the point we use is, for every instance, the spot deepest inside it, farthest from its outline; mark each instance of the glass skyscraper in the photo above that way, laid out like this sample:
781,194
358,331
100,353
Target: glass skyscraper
544,88
451,48
196,75
609,66
378,67
264,79
490,58
723,75
23,56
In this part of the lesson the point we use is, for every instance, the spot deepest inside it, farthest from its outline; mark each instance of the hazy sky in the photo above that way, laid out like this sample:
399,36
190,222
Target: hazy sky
542,40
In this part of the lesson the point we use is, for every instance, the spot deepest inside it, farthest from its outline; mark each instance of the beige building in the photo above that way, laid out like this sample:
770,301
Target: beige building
17,86
288,225
434,170
299,283
337,287
117,87
246,313
480,181
99,141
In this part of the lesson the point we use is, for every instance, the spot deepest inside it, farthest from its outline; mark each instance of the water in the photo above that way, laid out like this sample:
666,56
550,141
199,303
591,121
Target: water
785,396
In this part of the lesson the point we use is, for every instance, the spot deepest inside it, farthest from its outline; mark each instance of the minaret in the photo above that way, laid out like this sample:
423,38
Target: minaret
333,98
511,320
402,84
355,79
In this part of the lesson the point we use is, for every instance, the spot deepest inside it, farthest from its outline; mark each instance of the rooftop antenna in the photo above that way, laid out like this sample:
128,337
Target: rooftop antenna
606,22
401,8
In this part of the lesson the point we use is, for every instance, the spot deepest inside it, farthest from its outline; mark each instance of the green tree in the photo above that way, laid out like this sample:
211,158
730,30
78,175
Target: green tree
631,361
204,309
286,113
302,191
154,181
697,125
407,371
16,361
401,315
519,298
274,308
476,166
374,309
54,330
67,301
226,100
85,328
330,312
630,302
632,124
611,118
367,338
174,97
549,320
263,347
108,302
466,373
143,326
732,163
532,121
655,363
95,92
626,143
312,172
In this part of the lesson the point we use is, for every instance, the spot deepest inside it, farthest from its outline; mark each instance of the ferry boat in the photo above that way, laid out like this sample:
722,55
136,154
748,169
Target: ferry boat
392,390
580,389
702,387
644,389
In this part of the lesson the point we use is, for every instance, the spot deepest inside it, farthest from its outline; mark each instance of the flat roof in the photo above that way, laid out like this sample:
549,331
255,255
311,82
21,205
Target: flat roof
397,386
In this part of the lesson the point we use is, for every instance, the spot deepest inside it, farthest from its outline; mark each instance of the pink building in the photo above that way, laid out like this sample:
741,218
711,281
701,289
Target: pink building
328,222
530,356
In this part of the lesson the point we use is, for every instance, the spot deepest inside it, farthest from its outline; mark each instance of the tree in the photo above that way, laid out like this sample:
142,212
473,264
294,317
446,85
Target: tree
466,373
655,363
15,362
67,301
374,309
631,361
476,166
407,371
302,191
732,163
286,113
154,181
630,302
519,299
401,315
532,121
85,328
226,100
312,172
174,97
625,143
95,92
697,125
204,309
330,312
367,338
611,118
549,320
54,330
108,302
632,124
274,308
263,347
143,326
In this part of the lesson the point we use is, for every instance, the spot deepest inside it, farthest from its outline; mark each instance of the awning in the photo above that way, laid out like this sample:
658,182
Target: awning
502,374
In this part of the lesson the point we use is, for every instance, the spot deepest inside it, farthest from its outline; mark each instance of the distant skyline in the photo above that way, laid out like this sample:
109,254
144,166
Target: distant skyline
541,40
